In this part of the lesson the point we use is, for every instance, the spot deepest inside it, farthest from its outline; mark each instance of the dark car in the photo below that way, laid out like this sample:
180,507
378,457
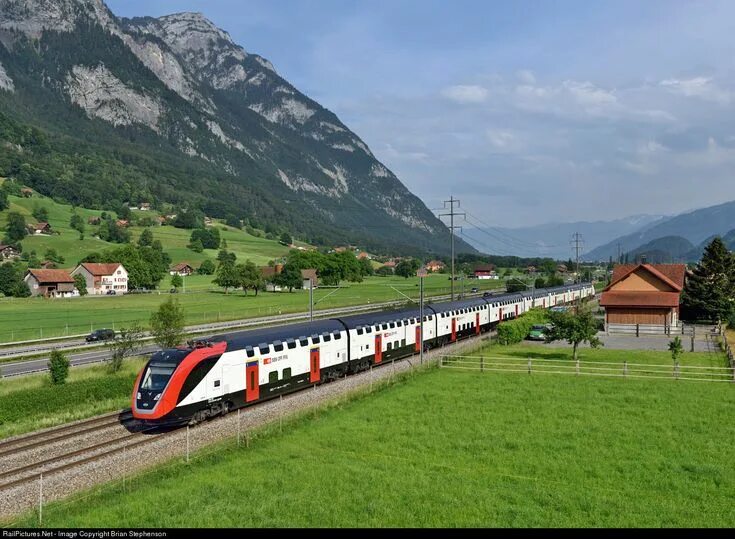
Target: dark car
475,289
111,293
100,335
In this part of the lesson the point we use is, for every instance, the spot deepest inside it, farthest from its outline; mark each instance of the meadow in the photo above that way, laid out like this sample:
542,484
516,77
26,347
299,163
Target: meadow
447,448
31,402
36,318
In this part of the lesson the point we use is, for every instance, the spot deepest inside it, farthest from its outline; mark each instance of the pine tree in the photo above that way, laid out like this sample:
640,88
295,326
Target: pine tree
710,290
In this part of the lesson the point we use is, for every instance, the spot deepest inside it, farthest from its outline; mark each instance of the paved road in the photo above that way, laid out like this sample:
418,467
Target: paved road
631,342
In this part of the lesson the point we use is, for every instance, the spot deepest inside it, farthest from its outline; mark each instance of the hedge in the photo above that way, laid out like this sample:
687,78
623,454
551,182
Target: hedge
514,331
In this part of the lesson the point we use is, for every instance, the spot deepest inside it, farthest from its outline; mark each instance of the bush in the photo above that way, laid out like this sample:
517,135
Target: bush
58,367
514,331
206,268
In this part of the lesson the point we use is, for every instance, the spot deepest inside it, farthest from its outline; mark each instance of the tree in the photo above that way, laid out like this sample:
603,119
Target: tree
250,276
286,239
290,277
366,267
58,367
384,271
227,276
177,281
710,289
515,285
196,246
80,283
408,267
40,213
676,349
146,238
208,237
16,228
224,255
574,327
53,256
77,223
126,344
11,280
167,324
554,280
4,204
206,268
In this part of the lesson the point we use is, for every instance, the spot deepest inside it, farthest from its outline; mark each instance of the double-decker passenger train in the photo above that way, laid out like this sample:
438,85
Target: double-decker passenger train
216,375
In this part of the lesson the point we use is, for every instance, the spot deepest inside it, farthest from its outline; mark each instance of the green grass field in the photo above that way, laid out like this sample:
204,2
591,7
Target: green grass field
34,318
29,403
453,449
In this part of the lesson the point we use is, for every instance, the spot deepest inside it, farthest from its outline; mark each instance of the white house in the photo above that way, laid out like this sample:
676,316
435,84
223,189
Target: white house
101,278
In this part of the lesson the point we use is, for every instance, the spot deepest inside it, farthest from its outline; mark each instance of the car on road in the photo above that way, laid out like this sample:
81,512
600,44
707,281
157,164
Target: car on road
100,335
538,332
111,293
475,289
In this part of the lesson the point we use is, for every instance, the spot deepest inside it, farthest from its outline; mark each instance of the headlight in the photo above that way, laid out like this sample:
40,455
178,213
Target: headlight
157,397
138,395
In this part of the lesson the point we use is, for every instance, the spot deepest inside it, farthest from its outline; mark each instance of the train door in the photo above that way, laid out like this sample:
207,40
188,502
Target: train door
252,382
378,348
516,310
477,323
314,371
418,338
454,329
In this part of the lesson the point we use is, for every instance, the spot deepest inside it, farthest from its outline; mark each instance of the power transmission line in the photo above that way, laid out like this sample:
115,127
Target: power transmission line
452,201
577,242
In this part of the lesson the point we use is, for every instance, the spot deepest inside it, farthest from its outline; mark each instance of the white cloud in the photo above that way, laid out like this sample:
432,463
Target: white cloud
526,76
465,94
586,93
701,87
503,141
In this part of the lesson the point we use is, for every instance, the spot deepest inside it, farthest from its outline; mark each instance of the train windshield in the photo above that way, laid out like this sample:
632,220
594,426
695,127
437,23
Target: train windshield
157,376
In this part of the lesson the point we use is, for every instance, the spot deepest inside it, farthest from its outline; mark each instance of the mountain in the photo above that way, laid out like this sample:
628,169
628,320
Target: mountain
694,226
552,239
666,250
100,111
696,253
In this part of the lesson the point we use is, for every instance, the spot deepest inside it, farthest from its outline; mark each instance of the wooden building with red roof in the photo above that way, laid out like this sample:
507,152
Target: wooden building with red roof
645,294
50,283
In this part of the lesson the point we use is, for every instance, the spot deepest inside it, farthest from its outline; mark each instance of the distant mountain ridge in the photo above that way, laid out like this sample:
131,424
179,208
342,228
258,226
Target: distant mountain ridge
695,227
100,111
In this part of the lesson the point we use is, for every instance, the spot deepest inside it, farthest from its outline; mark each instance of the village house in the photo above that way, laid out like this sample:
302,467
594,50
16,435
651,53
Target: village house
643,294
122,223
268,272
8,252
363,254
435,265
144,206
562,268
390,264
485,271
39,228
182,269
94,220
50,283
310,278
103,278
26,192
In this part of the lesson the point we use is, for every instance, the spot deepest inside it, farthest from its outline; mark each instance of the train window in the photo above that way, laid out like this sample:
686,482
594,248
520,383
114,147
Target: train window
249,351
403,342
327,337
278,346
369,330
287,373
337,336
216,383
303,341
263,348
272,377
315,339
359,331
390,346
291,344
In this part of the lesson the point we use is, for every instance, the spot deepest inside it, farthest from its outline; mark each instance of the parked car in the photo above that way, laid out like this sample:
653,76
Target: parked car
538,332
475,289
111,293
100,335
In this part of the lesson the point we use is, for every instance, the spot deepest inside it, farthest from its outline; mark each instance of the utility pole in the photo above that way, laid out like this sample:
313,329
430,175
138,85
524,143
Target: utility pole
577,243
311,300
421,273
452,201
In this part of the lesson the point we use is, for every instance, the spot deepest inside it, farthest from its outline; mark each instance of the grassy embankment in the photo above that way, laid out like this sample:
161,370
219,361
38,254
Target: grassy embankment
29,403
454,448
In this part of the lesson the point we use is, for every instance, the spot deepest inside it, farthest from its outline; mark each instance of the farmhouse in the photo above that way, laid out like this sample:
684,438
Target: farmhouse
39,228
435,265
268,273
94,220
122,223
643,294
26,192
182,269
50,283
486,271
101,278
310,278
8,252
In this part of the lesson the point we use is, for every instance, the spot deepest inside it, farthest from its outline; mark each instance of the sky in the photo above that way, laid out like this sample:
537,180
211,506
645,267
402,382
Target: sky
527,111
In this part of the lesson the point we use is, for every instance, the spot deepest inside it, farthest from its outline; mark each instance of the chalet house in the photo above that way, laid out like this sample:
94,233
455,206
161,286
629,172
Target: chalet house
161,220
486,271
390,264
94,220
48,264
435,265
8,252
26,192
50,283
122,223
182,269
101,278
39,228
309,278
268,272
362,255
531,270
145,206
562,268
643,294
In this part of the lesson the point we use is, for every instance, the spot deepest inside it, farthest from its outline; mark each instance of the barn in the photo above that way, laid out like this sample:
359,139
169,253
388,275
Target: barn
643,295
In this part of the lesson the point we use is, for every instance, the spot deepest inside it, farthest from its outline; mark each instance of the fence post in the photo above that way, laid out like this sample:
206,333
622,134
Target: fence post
280,414
676,370
625,368
187,443
482,363
577,367
529,365
238,427
40,499
637,330
692,346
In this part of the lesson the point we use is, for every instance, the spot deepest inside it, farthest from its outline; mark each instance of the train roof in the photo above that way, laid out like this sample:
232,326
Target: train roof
268,335
381,317
456,305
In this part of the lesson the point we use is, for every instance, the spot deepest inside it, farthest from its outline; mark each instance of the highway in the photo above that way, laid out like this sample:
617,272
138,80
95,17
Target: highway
96,352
